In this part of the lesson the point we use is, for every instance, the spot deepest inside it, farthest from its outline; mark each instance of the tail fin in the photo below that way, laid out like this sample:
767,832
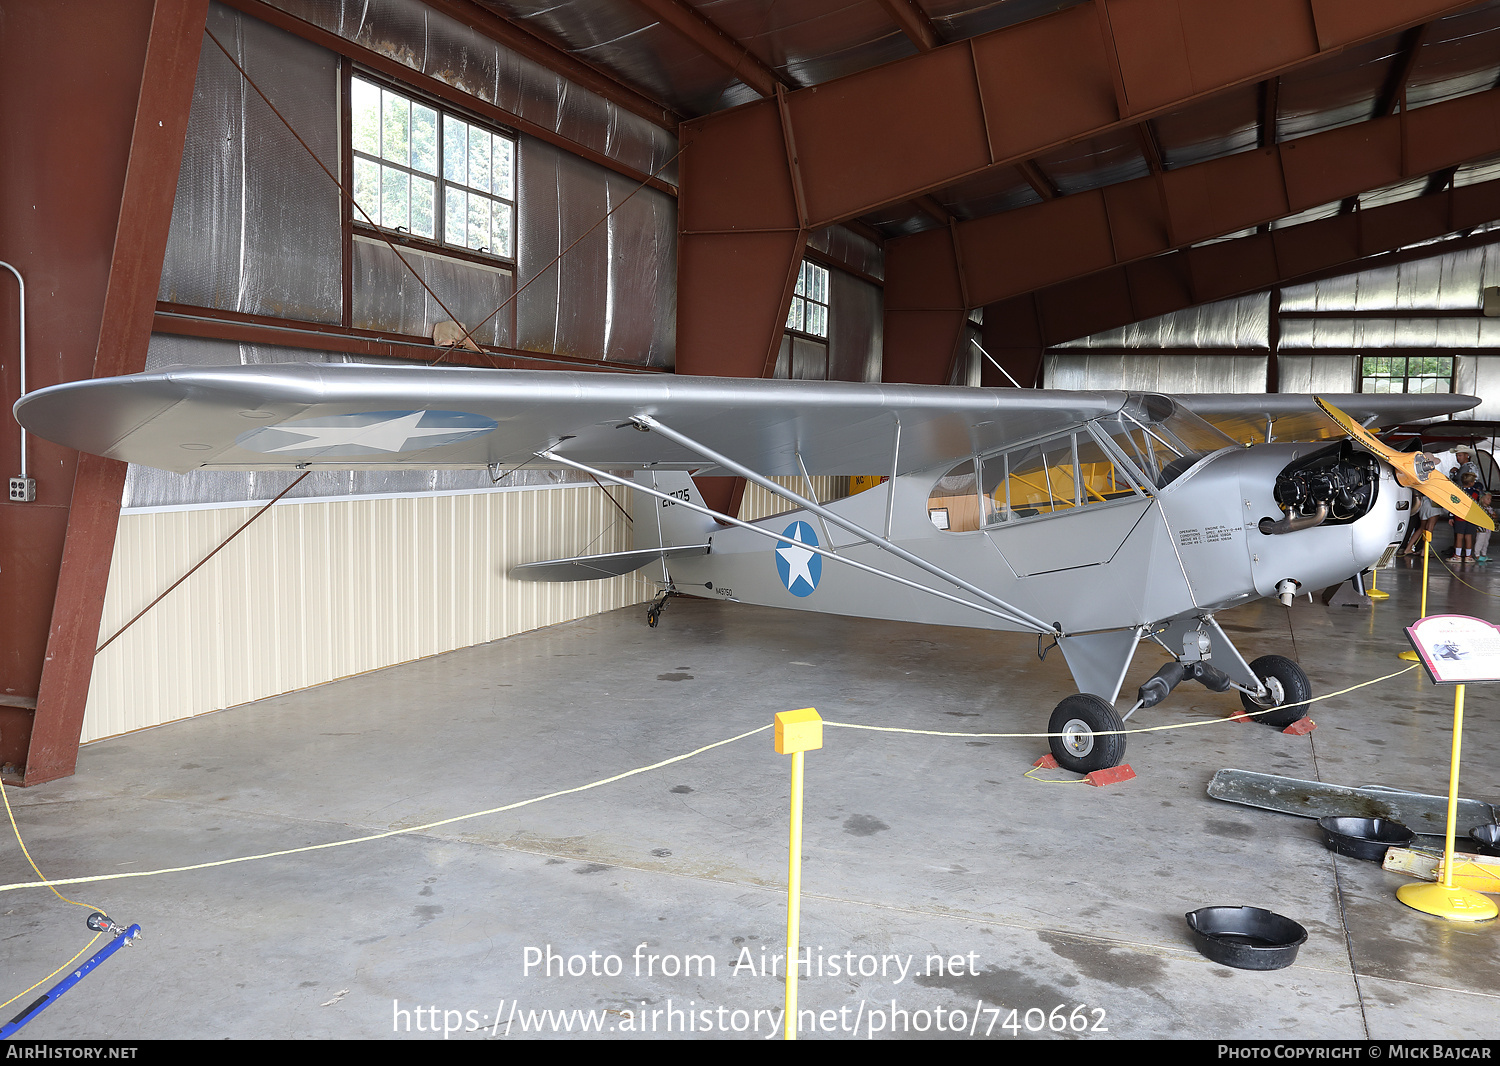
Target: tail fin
663,524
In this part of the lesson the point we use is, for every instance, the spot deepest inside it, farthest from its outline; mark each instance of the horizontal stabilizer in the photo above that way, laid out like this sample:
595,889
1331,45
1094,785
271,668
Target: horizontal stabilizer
594,567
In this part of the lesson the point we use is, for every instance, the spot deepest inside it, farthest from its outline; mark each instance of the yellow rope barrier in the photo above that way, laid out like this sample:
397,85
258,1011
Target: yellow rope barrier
390,832
1460,580
632,773
1124,732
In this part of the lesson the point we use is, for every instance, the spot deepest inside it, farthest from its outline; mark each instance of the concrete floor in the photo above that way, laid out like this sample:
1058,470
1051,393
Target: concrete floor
1045,894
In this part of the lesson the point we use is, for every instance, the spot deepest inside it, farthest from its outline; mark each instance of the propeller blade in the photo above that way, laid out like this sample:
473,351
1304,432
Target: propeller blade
1415,471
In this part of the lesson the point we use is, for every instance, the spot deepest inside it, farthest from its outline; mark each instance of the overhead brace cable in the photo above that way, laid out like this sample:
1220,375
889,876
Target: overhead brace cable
555,259
467,332
345,193
200,562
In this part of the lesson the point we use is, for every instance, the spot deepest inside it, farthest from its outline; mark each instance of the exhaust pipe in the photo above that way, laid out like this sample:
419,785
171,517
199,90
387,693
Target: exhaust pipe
1287,589
1288,524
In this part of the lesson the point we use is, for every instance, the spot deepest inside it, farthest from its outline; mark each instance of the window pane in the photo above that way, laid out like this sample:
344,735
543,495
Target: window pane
794,316
479,159
365,112
396,113
423,139
501,226
505,166
817,320
421,207
479,222
367,190
393,198
456,211
455,149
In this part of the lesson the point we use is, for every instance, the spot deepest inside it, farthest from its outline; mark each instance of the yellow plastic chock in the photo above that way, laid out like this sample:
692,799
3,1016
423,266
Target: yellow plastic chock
796,732
1445,899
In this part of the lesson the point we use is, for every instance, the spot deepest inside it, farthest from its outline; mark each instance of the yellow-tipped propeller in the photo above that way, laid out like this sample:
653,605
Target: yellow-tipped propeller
1415,471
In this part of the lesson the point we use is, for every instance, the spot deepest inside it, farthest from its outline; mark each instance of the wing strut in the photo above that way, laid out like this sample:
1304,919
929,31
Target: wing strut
831,516
1013,618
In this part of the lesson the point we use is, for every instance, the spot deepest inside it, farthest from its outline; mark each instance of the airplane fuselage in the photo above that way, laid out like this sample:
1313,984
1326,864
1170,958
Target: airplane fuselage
1193,547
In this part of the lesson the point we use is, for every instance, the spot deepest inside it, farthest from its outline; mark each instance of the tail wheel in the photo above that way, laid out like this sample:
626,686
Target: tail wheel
1285,684
1090,738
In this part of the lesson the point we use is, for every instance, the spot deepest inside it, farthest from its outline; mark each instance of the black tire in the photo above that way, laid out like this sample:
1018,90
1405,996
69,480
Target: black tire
1277,672
1084,717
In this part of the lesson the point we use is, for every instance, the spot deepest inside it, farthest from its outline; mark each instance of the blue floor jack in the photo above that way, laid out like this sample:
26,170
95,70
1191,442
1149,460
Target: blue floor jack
99,923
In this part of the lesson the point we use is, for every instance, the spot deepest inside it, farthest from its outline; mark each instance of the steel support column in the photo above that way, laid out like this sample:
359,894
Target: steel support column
145,214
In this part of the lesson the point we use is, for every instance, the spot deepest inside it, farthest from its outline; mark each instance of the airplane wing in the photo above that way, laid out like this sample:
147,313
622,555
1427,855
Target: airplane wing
278,416
1298,417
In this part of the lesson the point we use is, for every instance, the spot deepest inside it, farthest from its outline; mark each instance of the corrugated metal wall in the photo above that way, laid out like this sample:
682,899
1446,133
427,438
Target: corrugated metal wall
1151,372
319,590
1323,328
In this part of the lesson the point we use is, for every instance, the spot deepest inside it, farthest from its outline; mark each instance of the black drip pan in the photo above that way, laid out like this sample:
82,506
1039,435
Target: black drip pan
1487,837
1246,937
1364,838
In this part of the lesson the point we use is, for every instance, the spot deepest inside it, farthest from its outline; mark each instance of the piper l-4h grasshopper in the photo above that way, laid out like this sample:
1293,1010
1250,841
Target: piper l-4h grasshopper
1094,519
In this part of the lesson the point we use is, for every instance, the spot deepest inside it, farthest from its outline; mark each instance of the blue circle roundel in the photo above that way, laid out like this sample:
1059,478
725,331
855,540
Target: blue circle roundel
800,569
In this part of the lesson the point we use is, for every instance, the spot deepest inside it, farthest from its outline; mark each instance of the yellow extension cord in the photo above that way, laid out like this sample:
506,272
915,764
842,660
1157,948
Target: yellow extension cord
16,829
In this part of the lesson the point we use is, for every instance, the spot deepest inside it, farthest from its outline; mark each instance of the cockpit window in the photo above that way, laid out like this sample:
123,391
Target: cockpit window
1057,474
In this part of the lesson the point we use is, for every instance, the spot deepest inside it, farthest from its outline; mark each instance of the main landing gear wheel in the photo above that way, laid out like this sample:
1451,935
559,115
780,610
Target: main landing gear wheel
1081,720
1287,684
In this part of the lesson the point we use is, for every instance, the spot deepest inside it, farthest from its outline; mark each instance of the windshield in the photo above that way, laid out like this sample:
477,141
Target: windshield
1157,433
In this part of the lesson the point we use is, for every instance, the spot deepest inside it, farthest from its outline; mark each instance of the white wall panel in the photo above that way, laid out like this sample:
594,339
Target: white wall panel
758,502
318,590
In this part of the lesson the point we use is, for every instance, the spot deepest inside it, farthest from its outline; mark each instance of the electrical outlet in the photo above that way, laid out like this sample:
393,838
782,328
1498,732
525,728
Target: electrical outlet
22,489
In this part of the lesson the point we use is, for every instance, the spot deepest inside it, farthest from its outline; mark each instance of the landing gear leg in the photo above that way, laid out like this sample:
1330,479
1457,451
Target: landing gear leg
653,613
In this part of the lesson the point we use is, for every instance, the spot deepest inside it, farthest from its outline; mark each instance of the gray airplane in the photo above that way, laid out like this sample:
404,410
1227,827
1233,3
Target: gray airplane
1095,519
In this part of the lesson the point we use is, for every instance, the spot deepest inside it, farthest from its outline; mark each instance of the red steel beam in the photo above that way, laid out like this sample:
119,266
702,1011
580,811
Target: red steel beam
161,118
915,126
1328,247
913,21
889,134
1017,252
716,44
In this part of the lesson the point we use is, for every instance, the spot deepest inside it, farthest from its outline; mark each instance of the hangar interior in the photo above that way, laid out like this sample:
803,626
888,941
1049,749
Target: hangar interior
1288,197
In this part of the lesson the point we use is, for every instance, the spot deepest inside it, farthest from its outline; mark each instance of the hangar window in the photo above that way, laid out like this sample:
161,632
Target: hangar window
1406,373
424,171
809,311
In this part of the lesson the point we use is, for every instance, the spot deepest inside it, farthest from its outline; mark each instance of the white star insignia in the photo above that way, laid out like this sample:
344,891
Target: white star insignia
797,560
392,435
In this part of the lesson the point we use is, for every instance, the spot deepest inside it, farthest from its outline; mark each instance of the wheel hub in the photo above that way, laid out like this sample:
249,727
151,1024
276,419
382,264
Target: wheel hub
1078,738
1275,694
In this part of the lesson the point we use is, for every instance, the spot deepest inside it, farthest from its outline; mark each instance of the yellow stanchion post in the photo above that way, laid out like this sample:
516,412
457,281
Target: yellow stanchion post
796,732
1373,591
1445,900
1411,656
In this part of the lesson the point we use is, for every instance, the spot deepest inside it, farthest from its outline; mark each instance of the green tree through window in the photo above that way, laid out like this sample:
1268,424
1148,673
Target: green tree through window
424,171
1406,373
